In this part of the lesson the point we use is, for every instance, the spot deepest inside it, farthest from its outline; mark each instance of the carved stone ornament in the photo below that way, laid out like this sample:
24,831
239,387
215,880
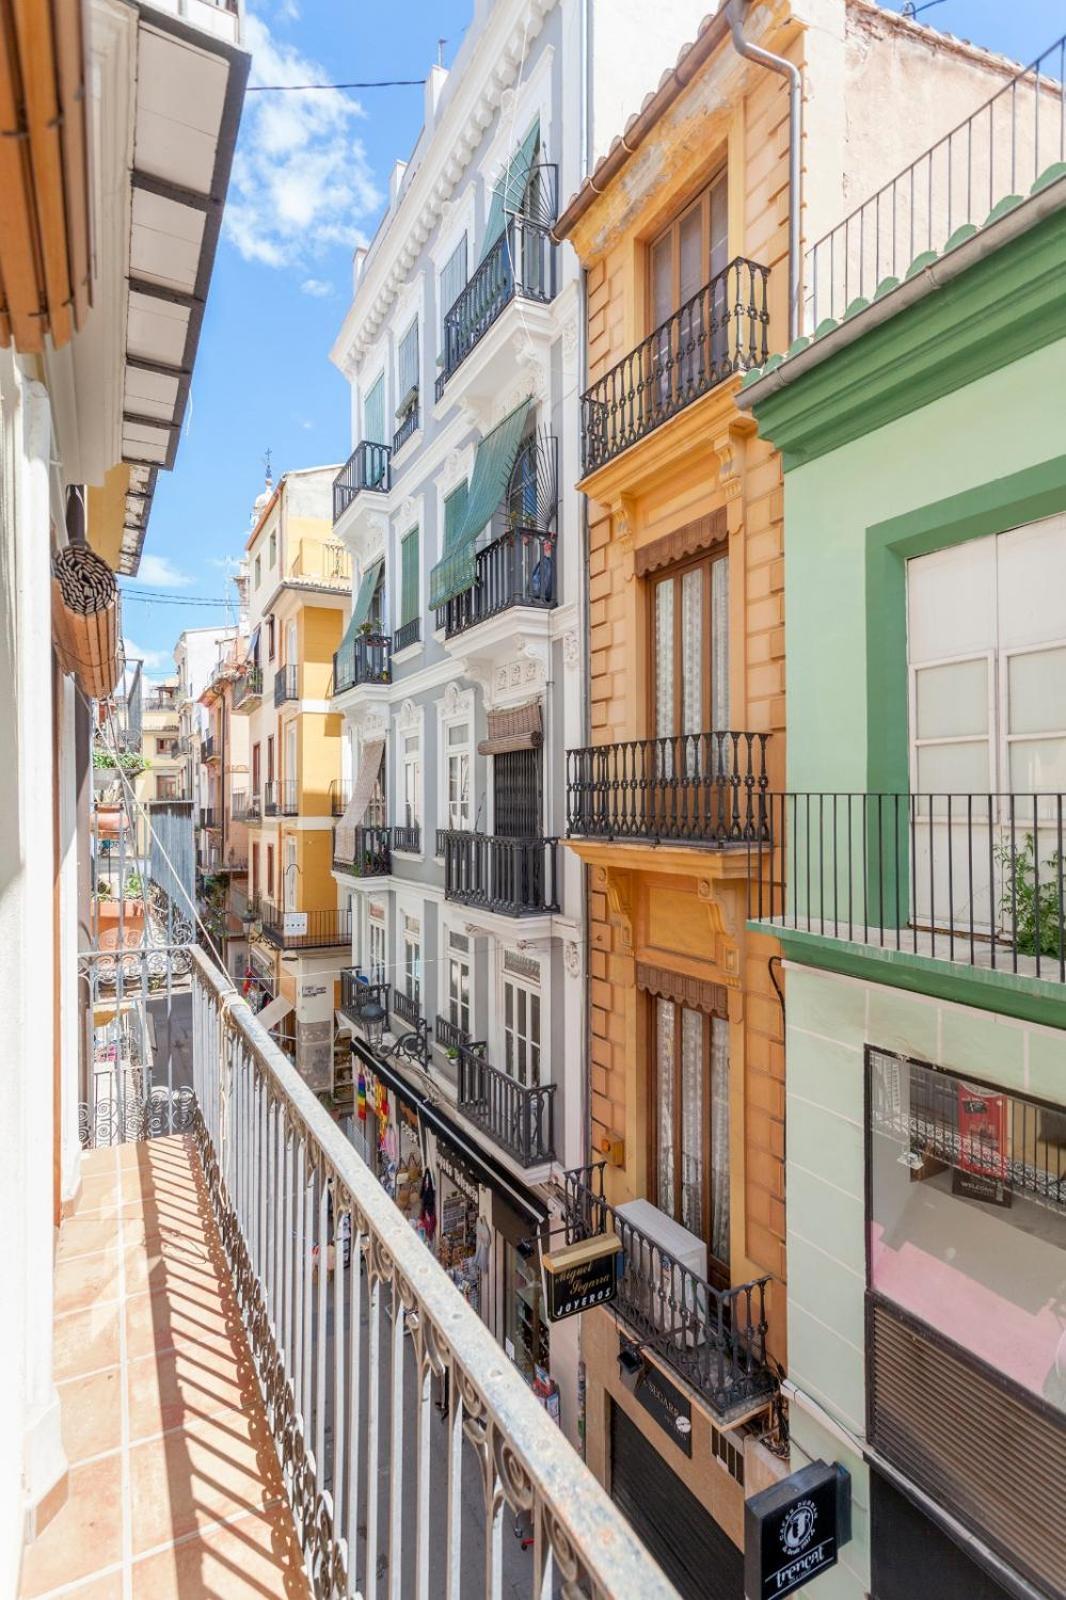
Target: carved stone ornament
572,958
571,649
410,716
619,891
456,701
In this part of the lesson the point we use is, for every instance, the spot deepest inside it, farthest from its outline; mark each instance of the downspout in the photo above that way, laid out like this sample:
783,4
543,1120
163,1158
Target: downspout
766,58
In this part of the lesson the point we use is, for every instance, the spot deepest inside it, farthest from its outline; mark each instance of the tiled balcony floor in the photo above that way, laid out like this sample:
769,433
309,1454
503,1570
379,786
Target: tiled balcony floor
174,1486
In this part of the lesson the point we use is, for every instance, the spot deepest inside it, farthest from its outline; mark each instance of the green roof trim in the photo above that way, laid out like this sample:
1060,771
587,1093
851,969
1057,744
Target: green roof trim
455,571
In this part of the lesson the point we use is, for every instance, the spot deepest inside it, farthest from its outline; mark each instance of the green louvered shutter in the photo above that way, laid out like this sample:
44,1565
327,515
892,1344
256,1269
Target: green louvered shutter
495,458
509,193
409,577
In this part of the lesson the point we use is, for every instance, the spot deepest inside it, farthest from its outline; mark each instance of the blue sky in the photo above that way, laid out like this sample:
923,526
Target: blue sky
308,185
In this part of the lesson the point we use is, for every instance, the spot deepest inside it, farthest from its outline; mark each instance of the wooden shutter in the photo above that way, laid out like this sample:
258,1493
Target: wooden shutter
409,577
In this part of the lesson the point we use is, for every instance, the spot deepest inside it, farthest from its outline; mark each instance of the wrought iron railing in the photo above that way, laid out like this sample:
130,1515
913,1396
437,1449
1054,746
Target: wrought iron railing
999,150
340,792
366,468
408,837
365,659
519,1117
520,265
406,1006
248,687
354,1329
449,1035
357,992
517,569
286,681
305,930
976,879
271,798
701,788
715,1339
208,749
362,852
723,329
407,633
288,797
514,877
407,427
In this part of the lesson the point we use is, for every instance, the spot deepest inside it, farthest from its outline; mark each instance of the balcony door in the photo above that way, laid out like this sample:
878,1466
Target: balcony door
688,254
290,758
516,794
689,626
291,872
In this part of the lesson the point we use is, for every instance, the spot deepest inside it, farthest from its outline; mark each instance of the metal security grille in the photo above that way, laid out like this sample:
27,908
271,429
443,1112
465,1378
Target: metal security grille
516,794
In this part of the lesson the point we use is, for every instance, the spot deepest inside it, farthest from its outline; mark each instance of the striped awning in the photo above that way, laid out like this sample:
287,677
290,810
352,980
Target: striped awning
496,455
510,191
355,810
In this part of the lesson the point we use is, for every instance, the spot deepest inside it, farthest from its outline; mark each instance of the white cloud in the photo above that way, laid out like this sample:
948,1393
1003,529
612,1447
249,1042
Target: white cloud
318,287
159,572
151,660
301,181
230,565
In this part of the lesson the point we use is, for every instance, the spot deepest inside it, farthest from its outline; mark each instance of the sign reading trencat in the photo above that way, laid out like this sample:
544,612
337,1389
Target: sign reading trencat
793,1531
580,1276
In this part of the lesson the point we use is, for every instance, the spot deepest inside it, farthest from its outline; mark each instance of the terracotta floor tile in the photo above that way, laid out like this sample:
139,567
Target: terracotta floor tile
84,1535
86,1341
86,1280
155,1323
109,1588
256,1558
215,1467
170,1390
82,1236
153,1267
91,1414
94,1163
97,1197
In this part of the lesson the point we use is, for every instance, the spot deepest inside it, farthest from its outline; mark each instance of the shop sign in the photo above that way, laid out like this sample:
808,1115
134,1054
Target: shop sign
580,1276
664,1401
794,1530
981,1165
294,923
311,991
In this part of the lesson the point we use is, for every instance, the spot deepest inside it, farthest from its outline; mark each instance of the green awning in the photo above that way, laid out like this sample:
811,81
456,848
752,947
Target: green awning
509,193
360,612
493,465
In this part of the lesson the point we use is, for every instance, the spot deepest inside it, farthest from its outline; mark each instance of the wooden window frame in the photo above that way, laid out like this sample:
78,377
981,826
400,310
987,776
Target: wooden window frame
672,231
270,872
706,559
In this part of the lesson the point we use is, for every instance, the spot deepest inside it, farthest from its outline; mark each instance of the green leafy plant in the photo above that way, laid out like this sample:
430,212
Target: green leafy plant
134,883
131,762
1034,908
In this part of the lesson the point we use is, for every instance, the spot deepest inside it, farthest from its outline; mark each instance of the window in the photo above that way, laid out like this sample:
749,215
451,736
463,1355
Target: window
253,871
967,1216
291,765
272,559
270,758
255,770
691,252
521,1031
376,942
407,369
258,570
412,780
412,958
452,280
291,873
457,775
690,629
270,637
409,577
374,412
270,872
292,654
458,974
689,1052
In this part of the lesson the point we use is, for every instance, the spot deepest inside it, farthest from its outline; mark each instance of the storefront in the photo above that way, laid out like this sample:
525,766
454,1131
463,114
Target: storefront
907,1547
463,1240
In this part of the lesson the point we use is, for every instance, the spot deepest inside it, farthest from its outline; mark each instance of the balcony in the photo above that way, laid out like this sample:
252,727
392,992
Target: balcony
271,798
367,468
517,569
340,792
365,853
248,689
367,659
520,267
408,838
305,930
286,684
715,1339
238,805
255,808
518,1117
722,330
511,877
407,1007
449,1035
288,798
356,993
976,880
408,426
407,634
208,749
694,788
208,818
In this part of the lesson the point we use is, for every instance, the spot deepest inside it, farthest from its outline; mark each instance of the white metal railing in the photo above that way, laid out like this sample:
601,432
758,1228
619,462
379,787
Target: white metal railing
358,1337
1000,150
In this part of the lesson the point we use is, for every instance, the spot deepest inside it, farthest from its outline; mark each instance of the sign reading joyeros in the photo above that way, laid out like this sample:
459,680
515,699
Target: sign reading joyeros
793,1531
580,1276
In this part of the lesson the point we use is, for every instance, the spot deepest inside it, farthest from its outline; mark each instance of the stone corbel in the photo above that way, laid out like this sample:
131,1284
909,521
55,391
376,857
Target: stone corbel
624,518
725,952
730,447
617,886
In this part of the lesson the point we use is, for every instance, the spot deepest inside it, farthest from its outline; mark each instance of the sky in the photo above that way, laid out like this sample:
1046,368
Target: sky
309,180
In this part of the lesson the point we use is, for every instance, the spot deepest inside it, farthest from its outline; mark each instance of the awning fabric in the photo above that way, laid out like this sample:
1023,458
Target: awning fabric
360,612
493,465
355,810
509,193
521,728
273,1012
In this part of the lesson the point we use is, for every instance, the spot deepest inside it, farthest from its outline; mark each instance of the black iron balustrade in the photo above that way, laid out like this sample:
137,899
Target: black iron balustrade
357,992
238,805
520,265
362,852
695,788
366,659
408,426
514,877
285,684
450,1036
408,837
720,331
517,569
249,686
407,1006
976,879
519,1117
714,1338
366,468
288,798
407,633
340,792
304,930
207,747
271,798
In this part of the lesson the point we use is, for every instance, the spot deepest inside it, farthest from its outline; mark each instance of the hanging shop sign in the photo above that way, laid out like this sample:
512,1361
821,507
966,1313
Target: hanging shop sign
294,924
580,1276
794,1530
664,1401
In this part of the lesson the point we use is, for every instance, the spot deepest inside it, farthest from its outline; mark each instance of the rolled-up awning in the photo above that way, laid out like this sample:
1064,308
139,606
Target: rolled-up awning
520,728
273,1012
85,619
355,810
493,465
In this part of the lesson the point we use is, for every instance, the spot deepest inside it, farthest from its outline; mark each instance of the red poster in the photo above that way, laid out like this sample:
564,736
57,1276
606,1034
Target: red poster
982,1132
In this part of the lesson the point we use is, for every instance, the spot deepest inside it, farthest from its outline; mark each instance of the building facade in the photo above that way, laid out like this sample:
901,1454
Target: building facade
223,823
914,880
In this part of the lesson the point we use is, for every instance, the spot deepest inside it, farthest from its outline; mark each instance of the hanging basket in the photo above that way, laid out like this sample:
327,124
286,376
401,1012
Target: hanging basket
85,619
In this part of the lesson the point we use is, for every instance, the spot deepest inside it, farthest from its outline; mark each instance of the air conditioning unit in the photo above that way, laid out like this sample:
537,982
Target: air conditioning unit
676,1305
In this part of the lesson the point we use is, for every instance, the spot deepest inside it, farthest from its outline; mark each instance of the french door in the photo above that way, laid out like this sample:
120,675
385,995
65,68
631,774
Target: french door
689,348
516,790
689,626
689,1053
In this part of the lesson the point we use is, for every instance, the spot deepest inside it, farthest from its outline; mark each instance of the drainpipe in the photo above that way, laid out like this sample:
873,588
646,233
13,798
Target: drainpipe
766,58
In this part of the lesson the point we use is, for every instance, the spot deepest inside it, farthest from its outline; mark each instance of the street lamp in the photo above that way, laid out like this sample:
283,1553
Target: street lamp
371,1016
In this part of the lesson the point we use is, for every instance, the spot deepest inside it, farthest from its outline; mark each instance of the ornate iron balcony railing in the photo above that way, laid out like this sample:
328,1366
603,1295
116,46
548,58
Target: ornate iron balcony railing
357,993
406,1006
697,788
720,331
407,633
975,879
449,1035
366,468
286,681
248,687
362,852
408,838
513,877
304,930
517,569
519,1117
407,427
367,659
